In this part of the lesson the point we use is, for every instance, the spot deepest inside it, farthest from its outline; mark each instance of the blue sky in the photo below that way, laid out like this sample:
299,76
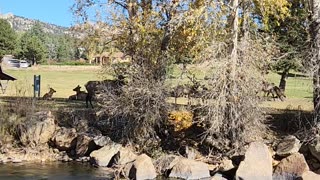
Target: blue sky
51,11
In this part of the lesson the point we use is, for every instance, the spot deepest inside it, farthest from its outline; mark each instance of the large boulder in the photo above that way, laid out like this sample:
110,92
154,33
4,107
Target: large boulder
225,165
289,145
309,175
314,147
101,140
83,145
189,169
165,163
38,130
124,156
142,168
103,156
64,139
257,163
291,167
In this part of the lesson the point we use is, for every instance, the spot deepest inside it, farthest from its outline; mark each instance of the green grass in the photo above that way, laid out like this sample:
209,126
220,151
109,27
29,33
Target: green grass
64,78
61,78
298,86
298,92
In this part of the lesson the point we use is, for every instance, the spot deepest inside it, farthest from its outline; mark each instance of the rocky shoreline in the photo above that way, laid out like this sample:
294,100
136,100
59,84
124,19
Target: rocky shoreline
42,140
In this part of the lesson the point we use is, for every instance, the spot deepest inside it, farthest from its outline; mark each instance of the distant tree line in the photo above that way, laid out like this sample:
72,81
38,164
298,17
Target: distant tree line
38,46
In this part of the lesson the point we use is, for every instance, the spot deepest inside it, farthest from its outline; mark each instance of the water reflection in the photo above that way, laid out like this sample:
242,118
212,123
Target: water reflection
53,171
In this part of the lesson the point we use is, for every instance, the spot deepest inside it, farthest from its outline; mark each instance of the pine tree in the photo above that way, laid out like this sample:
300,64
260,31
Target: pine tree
7,38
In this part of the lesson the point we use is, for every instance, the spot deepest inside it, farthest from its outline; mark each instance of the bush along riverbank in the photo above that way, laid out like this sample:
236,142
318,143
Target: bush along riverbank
43,138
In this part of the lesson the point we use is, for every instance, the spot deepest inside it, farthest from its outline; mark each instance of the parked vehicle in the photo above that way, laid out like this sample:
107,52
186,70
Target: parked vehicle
13,63
24,64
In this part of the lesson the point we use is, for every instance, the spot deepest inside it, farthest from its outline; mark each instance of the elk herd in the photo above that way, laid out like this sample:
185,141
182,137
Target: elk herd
195,90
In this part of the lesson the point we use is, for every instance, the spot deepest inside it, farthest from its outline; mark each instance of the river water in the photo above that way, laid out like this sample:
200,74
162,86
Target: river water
53,171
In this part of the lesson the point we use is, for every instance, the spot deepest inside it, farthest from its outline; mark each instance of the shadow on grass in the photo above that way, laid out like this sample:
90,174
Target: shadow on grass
288,122
55,103
294,75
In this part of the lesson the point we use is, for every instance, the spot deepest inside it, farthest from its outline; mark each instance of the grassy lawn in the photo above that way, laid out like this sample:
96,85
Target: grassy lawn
298,92
64,78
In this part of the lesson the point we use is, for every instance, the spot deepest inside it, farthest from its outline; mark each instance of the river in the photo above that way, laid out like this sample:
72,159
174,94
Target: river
52,171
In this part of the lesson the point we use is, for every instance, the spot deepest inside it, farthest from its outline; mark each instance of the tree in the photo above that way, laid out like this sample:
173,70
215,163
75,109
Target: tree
291,37
156,33
93,35
32,48
7,38
315,60
153,35
65,48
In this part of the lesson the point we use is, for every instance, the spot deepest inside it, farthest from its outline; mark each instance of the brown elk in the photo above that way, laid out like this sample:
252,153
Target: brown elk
203,93
80,95
271,88
107,85
48,95
186,90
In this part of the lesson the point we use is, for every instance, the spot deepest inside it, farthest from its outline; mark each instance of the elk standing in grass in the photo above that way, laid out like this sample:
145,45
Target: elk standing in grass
48,95
80,95
275,91
107,85
186,90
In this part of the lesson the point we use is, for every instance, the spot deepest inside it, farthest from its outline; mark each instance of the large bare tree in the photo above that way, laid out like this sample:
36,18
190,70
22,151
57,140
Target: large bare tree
315,60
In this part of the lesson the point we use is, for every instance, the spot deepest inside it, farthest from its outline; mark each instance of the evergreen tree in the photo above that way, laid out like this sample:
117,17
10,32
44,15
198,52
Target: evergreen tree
292,38
32,48
7,38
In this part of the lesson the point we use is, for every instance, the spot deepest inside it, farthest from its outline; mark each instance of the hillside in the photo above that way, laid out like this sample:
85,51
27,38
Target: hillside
22,24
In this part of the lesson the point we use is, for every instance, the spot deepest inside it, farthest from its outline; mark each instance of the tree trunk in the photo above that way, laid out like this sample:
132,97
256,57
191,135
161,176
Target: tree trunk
315,33
283,80
234,38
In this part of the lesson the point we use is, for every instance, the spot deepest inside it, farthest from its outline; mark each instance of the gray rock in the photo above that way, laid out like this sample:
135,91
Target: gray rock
39,130
189,169
124,156
218,176
290,167
226,165
103,156
289,145
166,162
82,146
314,147
101,140
309,175
66,158
64,139
142,168
257,163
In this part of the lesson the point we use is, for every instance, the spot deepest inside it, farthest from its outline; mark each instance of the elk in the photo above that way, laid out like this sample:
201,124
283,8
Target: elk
109,85
203,93
186,90
80,95
48,95
271,88
180,91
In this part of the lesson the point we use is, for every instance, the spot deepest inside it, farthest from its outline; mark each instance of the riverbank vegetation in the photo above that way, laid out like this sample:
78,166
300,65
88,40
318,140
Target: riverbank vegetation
227,51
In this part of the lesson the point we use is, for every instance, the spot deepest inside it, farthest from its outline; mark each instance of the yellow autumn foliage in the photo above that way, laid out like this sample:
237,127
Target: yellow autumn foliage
180,120
277,9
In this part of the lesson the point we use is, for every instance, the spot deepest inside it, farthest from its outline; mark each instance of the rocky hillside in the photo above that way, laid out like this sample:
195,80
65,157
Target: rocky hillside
23,24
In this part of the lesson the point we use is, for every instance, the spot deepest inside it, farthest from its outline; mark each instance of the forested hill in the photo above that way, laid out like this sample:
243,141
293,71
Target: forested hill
23,24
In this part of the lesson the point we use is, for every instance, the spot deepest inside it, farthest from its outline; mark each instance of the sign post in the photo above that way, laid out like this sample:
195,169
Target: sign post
36,85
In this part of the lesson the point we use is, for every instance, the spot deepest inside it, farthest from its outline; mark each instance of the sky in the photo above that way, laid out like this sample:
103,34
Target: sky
50,11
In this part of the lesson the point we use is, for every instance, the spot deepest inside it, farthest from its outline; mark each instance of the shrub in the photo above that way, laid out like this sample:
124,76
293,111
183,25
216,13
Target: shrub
180,120
136,114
